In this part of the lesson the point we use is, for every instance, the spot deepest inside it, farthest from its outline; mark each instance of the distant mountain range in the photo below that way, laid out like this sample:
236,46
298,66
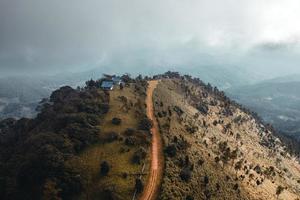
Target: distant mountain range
277,101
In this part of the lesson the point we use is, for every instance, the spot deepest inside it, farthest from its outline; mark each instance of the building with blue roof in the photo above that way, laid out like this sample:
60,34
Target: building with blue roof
107,85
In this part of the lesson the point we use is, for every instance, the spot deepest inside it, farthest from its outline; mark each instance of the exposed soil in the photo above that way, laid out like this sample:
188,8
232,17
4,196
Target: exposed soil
156,171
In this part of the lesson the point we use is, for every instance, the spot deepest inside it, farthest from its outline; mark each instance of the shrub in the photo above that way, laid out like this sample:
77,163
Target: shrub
206,180
109,193
185,174
236,186
139,186
189,197
139,155
202,108
116,121
171,150
130,141
279,190
145,124
104,168
111,136
129,131
191,129
257,169
207,194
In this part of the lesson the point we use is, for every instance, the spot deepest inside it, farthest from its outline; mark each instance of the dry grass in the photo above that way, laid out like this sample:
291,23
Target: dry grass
170,93
111,152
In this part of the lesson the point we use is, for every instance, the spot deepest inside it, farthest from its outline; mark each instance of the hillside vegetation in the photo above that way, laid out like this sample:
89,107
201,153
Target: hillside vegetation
84,144
215,149
87,143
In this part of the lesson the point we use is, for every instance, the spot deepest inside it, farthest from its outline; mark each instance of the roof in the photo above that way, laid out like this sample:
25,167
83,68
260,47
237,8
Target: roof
107,84
116,79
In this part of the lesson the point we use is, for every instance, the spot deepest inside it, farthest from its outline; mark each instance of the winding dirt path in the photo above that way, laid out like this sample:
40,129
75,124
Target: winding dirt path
156,171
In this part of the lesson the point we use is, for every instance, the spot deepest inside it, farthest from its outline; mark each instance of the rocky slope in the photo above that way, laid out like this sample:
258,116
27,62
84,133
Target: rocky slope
215,149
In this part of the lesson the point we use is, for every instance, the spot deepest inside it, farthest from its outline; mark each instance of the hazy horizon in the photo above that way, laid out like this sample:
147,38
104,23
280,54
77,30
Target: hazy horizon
260,37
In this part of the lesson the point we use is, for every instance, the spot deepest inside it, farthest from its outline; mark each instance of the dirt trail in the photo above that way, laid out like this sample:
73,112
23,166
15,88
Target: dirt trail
156,171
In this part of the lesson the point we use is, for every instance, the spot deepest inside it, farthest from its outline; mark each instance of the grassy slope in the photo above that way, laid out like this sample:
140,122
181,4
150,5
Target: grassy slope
250,150
119,162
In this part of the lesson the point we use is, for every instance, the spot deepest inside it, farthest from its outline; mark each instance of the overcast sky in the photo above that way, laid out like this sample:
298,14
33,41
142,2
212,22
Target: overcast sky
69,35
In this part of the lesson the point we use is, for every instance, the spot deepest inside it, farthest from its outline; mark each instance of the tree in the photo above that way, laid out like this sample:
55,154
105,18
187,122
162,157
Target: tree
116,121
279,190
91,83
145,124
217,159
189,197
238,165
206,180
51,192
202,108
104,168
171,150
139,155
185,174
139,186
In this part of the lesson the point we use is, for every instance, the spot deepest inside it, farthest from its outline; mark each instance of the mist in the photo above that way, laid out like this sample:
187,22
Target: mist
261,38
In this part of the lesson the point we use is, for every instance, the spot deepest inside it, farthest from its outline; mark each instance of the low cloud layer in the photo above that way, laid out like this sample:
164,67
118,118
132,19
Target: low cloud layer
71,35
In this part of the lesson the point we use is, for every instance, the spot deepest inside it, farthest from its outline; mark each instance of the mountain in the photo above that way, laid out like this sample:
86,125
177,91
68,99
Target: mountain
223,77
88,143
277,101
282,79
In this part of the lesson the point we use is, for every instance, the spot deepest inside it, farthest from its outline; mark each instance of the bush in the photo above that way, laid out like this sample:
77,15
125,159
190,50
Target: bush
129,132
111,136
145,124
202,108
139,186
171,150
279,190
185,174
257,169
116,121
189,197
206,180
139,155
131,141
104,168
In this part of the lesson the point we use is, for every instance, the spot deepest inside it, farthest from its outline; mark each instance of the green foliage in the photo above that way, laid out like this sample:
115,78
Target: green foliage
139,155
116,121
139,186
34,153
145,124
104,168
171,150
185,174
279,190
202,108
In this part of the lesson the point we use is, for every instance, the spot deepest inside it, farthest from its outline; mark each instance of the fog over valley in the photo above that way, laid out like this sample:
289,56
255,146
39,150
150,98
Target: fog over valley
234,45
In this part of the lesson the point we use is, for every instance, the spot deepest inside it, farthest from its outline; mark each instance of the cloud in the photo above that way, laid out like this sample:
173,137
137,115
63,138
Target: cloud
72,34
